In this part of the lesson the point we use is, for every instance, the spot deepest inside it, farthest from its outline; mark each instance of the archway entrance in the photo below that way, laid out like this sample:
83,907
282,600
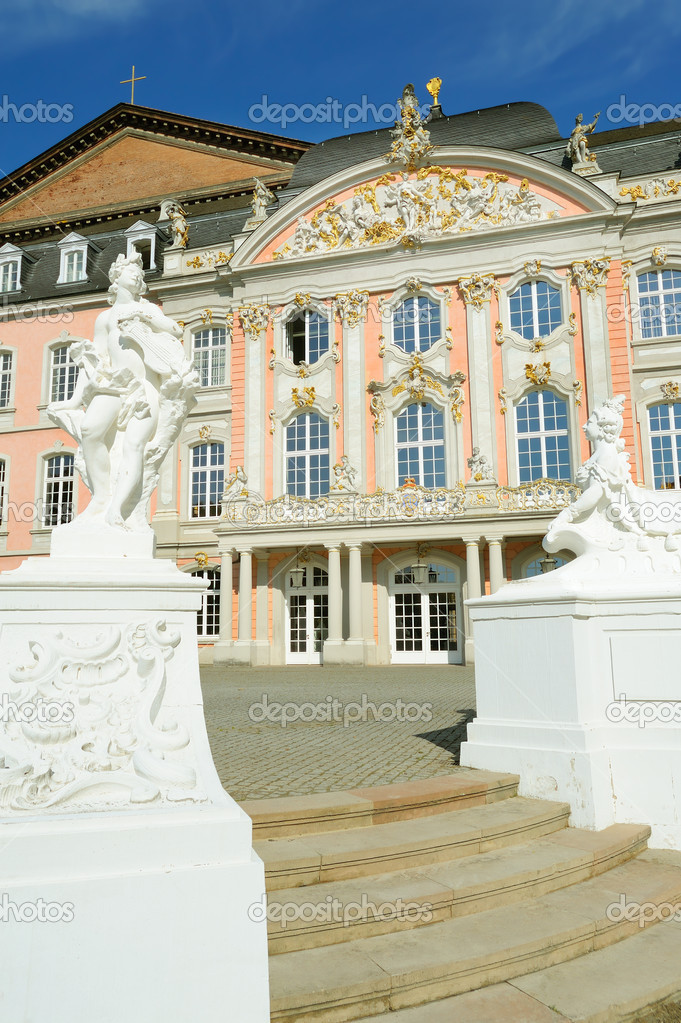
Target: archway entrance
424,618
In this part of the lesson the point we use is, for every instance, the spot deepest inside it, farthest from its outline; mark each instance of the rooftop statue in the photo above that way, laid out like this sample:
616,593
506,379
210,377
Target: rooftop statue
613,514
578,145
133,392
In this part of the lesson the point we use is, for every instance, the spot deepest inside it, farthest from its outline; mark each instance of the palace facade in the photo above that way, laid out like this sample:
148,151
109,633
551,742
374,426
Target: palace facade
399,334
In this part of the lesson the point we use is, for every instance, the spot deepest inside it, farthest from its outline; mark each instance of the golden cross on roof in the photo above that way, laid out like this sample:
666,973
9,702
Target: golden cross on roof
131,82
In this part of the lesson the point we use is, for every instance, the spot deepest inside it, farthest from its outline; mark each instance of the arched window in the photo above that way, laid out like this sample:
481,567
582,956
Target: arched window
64,374
210,356
543,438
307,336
58,490
535,309
659,293
307,456
208,615
416,324
665,442
207,480
420,444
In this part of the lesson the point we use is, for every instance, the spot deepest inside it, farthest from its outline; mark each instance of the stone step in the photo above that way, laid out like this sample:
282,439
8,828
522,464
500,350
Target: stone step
339,911
358,852
359,808
389,972
612,985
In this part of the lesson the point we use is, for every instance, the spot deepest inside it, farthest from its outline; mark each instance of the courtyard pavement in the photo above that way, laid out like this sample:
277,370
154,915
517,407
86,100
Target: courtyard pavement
360,726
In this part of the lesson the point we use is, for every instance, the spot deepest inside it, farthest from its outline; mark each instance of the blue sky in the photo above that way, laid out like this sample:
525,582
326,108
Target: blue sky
217,58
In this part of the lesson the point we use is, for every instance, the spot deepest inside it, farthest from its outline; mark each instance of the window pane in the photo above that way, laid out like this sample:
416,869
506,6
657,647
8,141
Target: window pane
665,442
542,437
420,444
207,480
307,456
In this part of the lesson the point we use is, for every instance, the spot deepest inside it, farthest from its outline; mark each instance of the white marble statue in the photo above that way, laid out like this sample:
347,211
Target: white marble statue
479,467
578,145
179,229
612,514
134,390
262,197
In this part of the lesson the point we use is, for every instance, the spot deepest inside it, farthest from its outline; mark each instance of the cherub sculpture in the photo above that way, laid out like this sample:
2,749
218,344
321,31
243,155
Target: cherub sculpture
612,513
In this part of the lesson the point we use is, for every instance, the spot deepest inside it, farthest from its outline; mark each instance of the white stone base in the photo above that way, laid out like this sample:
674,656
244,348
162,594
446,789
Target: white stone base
550,668
344,651
128,823
160,930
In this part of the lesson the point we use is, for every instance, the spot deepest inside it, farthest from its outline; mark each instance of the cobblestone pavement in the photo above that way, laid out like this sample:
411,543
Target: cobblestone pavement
334,750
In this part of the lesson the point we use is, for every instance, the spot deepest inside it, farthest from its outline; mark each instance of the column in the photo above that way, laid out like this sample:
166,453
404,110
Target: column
245,596
496,563
355,592
474,590
261,647
335,595
223,649
473,568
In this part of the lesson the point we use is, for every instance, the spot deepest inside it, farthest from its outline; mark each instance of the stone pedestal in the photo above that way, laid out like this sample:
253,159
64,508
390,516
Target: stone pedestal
127,870
578,691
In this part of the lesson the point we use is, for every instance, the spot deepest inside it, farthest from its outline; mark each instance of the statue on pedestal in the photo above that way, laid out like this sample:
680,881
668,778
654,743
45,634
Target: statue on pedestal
612,514
577,147
133,392
479,467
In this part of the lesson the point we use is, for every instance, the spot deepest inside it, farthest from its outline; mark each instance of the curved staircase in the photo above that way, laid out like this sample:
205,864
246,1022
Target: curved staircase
456,899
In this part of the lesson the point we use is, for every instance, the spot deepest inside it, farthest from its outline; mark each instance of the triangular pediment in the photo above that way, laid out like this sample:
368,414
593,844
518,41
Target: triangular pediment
130,169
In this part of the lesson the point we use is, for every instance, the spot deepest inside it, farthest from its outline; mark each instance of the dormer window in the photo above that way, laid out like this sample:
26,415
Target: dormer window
142,238
10,268
73,259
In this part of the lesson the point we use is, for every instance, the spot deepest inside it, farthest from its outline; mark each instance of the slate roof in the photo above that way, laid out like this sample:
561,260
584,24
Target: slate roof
511,126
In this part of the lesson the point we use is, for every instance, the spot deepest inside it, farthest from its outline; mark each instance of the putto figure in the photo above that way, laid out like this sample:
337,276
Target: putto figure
612,514
134,390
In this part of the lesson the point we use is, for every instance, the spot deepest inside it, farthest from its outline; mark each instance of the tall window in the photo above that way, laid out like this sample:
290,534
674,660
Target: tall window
74,266
416,324
207,480
208,615
420,443
64,374
9,276
665,441
535,309
543,437
210,356
307,456
5,379
659,293
58,490
307,336
3,480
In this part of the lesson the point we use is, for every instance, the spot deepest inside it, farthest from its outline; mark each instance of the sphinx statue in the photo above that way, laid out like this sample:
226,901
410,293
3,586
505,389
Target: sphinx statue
134,389
613,514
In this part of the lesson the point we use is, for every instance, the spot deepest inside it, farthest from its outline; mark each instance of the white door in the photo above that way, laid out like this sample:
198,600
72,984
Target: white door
307,617
423,619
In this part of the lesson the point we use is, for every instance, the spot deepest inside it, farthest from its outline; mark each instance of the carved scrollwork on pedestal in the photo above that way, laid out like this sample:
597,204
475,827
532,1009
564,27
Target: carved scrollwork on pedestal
107,740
